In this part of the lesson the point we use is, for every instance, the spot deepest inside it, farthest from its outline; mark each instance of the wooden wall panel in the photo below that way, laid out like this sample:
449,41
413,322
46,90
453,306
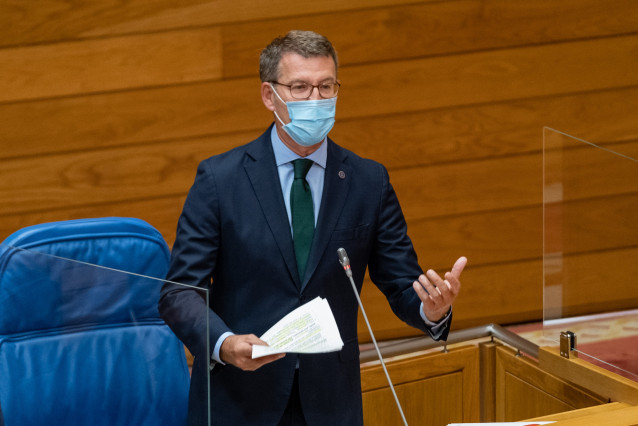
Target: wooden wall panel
488,76
101,65
500,293
512,292
53,20
435,28
100,177
491,130
599,224
577,171
211,108
162,213
153,170
139,116
107,107
587,272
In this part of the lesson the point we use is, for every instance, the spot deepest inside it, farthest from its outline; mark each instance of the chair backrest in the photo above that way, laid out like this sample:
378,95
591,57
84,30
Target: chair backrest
81,342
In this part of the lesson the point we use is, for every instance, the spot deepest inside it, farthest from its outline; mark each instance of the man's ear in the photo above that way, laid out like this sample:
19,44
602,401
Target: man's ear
267,95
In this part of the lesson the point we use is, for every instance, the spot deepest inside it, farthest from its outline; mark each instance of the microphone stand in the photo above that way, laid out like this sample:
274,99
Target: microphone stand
345,262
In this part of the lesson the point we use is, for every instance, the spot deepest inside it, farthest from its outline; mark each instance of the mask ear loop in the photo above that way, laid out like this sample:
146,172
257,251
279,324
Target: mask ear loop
282,101
277,94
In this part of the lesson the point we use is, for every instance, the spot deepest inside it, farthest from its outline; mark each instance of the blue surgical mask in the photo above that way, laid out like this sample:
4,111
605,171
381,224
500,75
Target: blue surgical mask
310,121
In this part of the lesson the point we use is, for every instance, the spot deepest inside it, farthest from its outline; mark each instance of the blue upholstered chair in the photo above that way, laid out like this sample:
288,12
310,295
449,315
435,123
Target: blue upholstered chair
82,344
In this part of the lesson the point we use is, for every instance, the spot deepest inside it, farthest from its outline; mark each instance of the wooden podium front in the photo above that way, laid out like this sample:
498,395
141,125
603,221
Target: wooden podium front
612,414
488,381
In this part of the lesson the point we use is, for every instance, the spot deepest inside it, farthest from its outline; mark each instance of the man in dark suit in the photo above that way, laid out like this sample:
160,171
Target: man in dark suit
260,230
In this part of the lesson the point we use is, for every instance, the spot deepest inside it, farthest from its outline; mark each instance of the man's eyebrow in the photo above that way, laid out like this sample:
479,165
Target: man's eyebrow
325,80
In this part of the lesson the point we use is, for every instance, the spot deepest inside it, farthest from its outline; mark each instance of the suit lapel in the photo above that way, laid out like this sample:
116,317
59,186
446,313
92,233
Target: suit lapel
335,191
262,171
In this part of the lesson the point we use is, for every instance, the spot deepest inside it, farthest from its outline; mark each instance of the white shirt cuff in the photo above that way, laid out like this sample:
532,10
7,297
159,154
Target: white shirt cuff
215,355
434,325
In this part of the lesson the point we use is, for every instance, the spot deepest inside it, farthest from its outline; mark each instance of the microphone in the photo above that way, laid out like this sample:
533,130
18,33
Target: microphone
345,263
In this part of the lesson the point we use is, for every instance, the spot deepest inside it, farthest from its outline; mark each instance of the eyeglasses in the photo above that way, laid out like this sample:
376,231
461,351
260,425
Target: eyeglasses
303,90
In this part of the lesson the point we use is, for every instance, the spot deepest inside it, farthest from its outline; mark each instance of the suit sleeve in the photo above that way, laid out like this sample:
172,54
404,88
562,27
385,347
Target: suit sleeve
182,303
394,265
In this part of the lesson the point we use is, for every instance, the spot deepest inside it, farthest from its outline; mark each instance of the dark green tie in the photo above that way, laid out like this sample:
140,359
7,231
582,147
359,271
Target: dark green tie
303,217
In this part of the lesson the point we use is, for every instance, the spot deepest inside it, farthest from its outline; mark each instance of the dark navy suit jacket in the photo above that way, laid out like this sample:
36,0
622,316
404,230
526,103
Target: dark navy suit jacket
234,238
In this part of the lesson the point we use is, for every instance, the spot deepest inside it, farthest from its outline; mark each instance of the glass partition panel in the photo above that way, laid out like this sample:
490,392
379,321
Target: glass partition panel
84,344
590,248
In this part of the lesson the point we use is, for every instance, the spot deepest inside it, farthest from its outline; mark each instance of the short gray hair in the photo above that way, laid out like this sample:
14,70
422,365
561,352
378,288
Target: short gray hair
305,43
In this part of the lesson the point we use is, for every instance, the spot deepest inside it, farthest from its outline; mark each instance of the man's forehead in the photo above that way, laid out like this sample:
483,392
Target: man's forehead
295,66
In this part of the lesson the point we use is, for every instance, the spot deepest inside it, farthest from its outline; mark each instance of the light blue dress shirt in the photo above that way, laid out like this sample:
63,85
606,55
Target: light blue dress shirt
284,158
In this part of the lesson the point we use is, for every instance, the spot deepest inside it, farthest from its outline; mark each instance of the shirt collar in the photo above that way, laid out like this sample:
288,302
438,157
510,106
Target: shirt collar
284,155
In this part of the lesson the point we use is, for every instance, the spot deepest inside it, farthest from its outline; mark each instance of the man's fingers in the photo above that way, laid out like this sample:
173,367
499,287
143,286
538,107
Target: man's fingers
438,294
434,278
428,285
458,267
254,340
423,295
445,288
238,349
249,364
268,359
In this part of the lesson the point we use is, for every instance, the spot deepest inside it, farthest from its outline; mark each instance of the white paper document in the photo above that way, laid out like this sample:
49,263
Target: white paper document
311,328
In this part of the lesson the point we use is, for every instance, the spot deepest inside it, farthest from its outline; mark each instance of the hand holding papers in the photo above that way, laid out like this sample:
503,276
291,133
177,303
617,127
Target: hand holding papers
311,328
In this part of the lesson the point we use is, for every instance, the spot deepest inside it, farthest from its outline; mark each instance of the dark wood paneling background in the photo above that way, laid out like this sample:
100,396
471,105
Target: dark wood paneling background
106,107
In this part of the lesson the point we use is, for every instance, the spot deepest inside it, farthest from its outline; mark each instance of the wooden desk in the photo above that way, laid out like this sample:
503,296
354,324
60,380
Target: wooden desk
612,414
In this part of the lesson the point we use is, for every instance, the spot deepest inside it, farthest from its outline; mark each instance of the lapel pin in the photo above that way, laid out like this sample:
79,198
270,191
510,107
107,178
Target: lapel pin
342,174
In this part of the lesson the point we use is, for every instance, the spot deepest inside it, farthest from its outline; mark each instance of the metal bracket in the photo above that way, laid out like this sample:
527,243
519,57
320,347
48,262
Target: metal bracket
567,344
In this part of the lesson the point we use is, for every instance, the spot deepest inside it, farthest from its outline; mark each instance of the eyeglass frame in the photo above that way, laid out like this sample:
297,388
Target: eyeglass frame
289,86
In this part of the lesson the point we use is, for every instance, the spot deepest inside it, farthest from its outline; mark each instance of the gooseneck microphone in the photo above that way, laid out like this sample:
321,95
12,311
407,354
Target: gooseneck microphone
345,262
